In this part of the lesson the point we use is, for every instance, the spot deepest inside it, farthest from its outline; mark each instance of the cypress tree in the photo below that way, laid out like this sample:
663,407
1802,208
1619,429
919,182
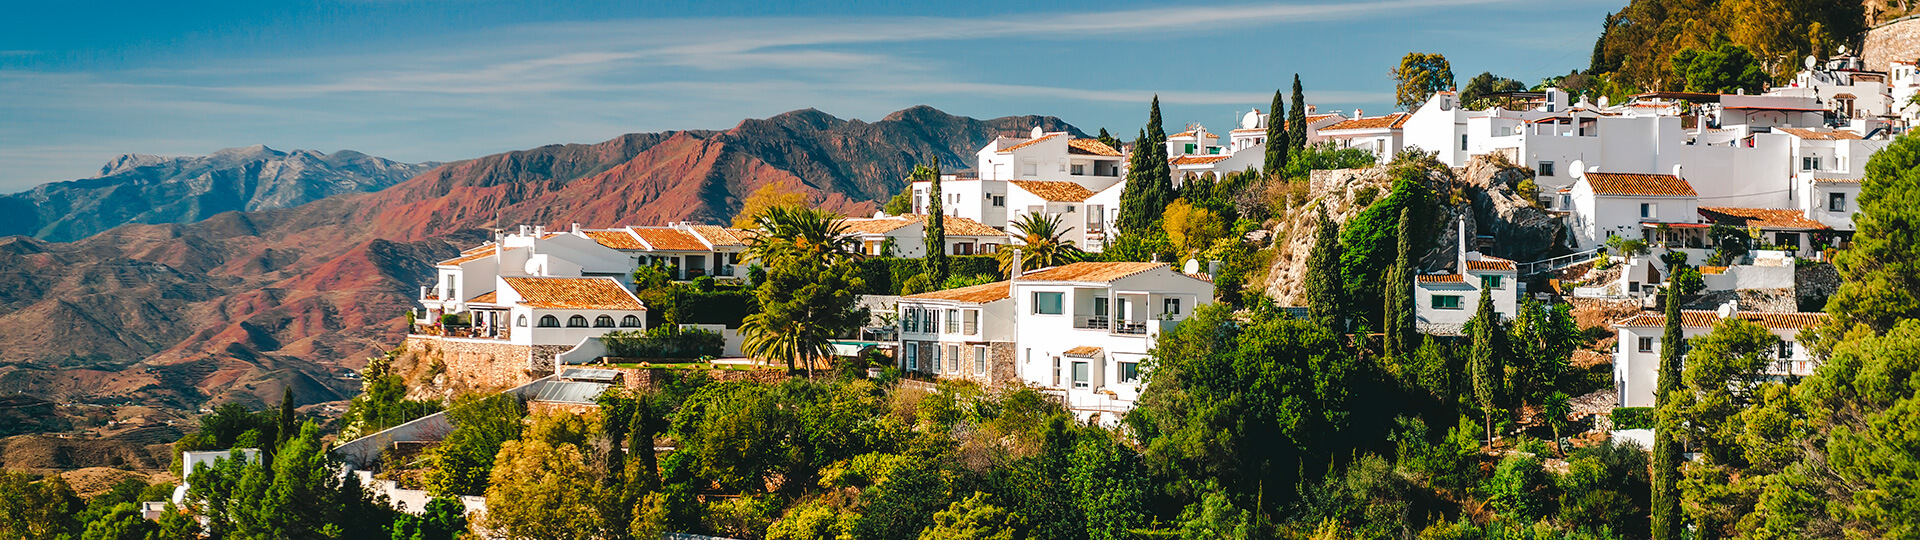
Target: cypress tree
1161,190
936,228
1666,447
1483,361
1325,288
1135,214
1399,295
1109,140
1297,118
286,425
1279,140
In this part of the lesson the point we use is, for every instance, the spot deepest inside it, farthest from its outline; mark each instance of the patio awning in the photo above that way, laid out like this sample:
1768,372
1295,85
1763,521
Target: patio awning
1083,352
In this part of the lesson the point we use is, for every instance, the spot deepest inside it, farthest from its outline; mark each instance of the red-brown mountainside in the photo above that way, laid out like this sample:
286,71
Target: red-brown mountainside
243,304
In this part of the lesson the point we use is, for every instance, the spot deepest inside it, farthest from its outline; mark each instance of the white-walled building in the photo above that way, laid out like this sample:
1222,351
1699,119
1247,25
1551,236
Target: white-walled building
907,235
1629,205
966,333
1443,303
1636,364
529,252
1382,135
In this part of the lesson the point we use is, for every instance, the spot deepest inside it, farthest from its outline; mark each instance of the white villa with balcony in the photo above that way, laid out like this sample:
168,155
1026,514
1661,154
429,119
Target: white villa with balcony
1636,360
1444,302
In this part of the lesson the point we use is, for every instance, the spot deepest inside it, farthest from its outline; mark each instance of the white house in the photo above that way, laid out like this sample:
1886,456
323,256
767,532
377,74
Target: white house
529,252
966,333
1085,220
556,310
1630,205
1381,135
907,235
1084,328
686,250
1443,303
1636,364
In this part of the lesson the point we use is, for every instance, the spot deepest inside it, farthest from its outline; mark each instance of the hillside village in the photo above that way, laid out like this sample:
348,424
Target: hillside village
1525,313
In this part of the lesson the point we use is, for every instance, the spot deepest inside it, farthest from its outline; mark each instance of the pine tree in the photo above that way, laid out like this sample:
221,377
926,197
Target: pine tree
1297,118
286,431
936,237
1483,361
1666,446
1279,140
1325,288
1401,338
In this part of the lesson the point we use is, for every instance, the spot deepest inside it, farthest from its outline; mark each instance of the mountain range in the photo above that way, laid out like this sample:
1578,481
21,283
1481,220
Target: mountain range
236,305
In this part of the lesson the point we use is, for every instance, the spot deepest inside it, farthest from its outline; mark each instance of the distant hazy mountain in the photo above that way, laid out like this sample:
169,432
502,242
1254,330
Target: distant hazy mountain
141,188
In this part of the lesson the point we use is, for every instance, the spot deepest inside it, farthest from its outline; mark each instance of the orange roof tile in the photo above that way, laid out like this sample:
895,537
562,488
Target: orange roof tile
470,256
1706,319
1197,159
1190,133
977,294
959,226
1639,185
668,239
1815,135
1030,142
1391,121
573,293
488,298
1054,190
882,225
1490,264
616,239
1090,147
1765,218
1082,351
1440,278
1092,271
719,236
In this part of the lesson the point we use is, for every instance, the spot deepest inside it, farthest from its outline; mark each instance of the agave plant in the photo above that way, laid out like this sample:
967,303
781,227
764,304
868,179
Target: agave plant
1044,244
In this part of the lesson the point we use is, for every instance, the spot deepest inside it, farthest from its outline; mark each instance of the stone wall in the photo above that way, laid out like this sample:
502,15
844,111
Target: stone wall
540,360
1814,283
650,378
548,407
1897,41
477,365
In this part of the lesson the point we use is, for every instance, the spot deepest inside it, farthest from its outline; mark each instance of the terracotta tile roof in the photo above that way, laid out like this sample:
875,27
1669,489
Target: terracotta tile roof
977,294
1643,185
668,239
470,256
1197,159
719,236
488,298
1090,147
1189,133
1765,218
476,249
1318,117
1809,134
1030,142
1082,351
1391,121
1844,95
959,226
1491,264
1440,278
1092,271
1054,191
616,239
882,225
573,293
1705,319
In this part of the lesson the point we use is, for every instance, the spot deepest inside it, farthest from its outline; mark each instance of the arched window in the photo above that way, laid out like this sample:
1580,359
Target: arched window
576,321
630,322
603,321
548,321
522,322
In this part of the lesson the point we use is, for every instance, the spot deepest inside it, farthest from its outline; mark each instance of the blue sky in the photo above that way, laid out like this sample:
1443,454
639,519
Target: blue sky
447,80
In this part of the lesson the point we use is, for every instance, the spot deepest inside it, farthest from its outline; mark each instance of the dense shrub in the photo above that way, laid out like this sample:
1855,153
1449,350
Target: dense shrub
663,342
1633,418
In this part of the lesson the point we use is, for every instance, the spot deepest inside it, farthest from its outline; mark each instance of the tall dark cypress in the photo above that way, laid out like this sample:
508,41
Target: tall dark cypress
1279,141
286,423
1161,190
1401,337
936,228
1483,361
1666,446
1325,288
1135,216
1297,118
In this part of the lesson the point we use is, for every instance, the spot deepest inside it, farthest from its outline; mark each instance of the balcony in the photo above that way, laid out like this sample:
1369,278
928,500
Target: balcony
1102,322
459,331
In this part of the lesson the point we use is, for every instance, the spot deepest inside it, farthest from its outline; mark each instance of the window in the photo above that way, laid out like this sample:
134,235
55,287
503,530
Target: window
979,360
548,321
1079,170
963,248
953,359
576,321
1190,148
1836,202
1649,210
933,358
1046,303
971,323
1546,168
1810,163
953,321
522,322
1056,372
1029,169
1490,282
603,321
1789,241
999,201
1080,374
1463,142
913,356
1170,306
1633,286
1646,344
1786,349
1129,372
630,321
907,321
1446,301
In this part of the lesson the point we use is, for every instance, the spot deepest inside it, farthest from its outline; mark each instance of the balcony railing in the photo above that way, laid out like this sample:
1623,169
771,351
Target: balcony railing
459,331
1102,322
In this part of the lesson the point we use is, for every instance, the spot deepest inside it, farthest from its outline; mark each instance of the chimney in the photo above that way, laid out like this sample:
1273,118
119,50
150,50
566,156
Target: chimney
1463,245
523,230
1357,114
576,228
1015,270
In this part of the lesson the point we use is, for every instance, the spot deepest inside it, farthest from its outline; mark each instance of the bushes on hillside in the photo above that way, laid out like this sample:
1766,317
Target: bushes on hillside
663,342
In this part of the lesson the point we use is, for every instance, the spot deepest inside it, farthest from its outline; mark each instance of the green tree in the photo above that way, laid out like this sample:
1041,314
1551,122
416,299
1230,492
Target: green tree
1722,69
286,417
122,522
1881,270
1216,518
1418,77
443,519
462,463
1484,361
1666,446
1297,118
808,294
1109,487
1325,290
974,518
302,494
1475,94
1372,237
541,490
1519,488
901,203
1191,228
37,510
1279,142
1401,337
936,227
1043,243
1149,179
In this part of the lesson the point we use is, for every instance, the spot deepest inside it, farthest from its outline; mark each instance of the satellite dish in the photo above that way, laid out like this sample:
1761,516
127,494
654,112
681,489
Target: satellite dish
1579,169
1037,132
1192,266
1676,171
1604,102
1811,61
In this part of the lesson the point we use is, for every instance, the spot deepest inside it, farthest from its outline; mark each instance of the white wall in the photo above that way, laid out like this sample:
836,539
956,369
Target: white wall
1043,339
1636,373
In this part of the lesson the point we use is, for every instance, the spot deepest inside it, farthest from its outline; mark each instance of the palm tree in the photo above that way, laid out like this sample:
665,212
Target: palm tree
1044,244
801,232
770,335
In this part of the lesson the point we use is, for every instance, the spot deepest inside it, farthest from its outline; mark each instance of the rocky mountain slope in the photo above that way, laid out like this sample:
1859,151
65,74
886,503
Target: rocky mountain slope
140,188
237,306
